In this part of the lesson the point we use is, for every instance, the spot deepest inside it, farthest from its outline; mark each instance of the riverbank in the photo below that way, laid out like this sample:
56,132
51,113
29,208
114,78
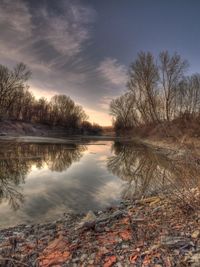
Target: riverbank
148,232
179,135
78,139
183,148
20,128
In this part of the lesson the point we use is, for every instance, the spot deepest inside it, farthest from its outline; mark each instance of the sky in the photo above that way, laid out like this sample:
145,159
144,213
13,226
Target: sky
83,48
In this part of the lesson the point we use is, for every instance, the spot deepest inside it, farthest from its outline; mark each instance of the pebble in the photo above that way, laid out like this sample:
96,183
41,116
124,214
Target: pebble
118,264
75,260
83,257
87,253
93,255
195,234
124,246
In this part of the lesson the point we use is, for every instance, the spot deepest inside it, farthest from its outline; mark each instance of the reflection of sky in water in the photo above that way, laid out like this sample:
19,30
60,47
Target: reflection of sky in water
85,185
52,179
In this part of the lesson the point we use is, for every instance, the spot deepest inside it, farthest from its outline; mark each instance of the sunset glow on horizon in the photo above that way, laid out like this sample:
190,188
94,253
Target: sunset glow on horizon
95,116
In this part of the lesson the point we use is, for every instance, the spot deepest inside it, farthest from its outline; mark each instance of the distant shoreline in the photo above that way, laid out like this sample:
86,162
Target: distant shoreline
21,128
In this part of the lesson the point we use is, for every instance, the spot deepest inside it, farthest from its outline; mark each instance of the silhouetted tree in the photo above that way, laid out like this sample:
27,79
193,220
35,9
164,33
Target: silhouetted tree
124,110
12,84
89,128
18,103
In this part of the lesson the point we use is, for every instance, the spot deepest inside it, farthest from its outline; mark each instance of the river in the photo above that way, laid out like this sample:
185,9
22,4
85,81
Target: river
39,181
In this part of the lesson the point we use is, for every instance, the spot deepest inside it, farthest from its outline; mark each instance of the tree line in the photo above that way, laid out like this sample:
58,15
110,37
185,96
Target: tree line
18,103
158,90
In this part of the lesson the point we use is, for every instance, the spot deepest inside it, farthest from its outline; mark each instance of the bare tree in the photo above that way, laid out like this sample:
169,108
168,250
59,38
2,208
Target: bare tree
143,80
172,70
11,83
65,112
160,91
123,109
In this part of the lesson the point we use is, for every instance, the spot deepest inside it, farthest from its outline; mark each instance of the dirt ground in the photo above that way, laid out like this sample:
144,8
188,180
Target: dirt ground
149,232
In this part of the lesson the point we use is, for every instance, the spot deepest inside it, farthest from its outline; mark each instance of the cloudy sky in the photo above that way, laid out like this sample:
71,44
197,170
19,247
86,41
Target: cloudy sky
82,48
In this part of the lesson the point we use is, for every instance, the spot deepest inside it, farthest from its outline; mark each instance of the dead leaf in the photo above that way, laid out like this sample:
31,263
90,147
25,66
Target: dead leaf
125,235
146,261
54,258
55,253
133,258
125,220
109,261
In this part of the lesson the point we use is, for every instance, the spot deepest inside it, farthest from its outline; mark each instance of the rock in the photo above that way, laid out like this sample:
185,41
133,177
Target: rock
125,246
89,217
195,260
119,264
175,242
118,214
195,234
75,260
91,262
93,255
2,134
88,221
105,218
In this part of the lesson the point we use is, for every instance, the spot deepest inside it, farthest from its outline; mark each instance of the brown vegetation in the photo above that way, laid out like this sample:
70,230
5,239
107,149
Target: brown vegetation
160,98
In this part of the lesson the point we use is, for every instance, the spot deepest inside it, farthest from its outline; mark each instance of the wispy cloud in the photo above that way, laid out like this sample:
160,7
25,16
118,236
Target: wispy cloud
21,18
113,71
67,31
42,37
54,39
15,27
105,102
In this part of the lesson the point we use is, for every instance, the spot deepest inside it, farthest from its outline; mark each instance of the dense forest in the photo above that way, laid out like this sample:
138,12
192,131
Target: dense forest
158,93
19,104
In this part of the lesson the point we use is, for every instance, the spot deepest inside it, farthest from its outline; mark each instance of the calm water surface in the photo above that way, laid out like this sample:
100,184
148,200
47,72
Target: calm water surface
39,182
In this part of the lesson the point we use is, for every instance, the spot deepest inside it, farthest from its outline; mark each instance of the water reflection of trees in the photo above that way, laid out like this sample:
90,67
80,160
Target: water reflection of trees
16,161
148,172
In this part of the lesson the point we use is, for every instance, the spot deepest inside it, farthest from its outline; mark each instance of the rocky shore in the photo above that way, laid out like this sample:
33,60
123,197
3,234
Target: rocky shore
148,232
